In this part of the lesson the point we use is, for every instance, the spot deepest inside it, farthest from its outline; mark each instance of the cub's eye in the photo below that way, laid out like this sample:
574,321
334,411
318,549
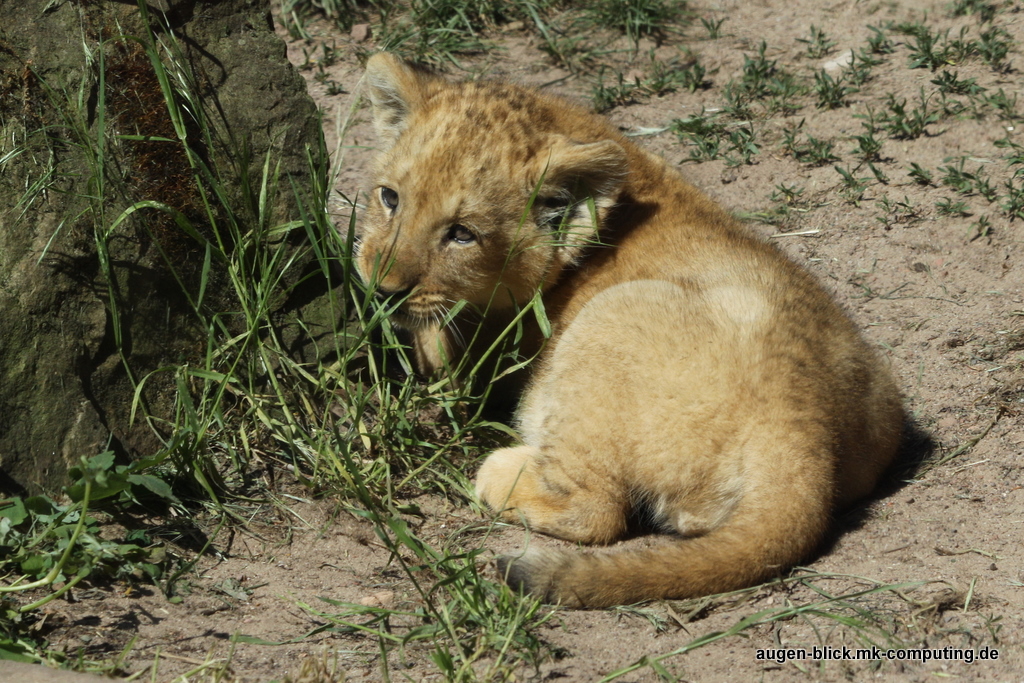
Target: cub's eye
389,198
460,234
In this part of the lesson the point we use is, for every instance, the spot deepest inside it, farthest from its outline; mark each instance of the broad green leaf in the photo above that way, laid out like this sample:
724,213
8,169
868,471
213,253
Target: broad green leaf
155,485
14,510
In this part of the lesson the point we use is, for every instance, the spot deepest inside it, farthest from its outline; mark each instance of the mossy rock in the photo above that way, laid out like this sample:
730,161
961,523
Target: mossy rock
90,305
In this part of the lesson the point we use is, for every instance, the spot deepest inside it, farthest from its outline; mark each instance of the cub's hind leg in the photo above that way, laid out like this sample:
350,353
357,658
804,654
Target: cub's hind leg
536,488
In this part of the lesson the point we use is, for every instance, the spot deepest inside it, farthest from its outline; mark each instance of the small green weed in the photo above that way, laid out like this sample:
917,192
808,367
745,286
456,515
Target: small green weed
897,212
1015,156
785,199
853,188
858,71
737,102
1005,105
344,13
993,46
960,48
957,178
635,18
868,146
784,91
902,208
710,139
435,31
606,97
686,73
831,92
927,50
949,82
902,123
966,182
878,41
713,26
1013,200
986,11
948,207
328,57
920,175
810,151
983,186
742,146
757,71
877,172
691,76
559,36
762,81
981,228
818,44
705,132
664,77
787,194
332,86
949,106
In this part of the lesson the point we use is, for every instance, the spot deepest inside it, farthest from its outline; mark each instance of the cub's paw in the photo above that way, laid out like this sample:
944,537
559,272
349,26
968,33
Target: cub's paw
504,477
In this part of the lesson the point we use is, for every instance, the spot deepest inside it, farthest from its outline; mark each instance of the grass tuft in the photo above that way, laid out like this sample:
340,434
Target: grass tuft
636,18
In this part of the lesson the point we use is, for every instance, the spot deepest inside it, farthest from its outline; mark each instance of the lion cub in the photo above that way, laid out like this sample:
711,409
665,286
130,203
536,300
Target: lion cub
694,375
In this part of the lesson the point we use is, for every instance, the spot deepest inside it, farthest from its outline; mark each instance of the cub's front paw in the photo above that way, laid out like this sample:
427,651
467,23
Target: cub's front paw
503,478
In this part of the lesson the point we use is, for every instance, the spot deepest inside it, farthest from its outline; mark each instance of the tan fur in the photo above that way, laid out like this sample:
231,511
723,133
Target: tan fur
694,373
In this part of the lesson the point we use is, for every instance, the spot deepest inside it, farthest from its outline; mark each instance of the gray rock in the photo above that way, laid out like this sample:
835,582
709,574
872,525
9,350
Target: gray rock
69,360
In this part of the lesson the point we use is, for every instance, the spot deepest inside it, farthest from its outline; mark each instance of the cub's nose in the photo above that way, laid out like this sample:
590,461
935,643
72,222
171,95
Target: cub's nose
397,295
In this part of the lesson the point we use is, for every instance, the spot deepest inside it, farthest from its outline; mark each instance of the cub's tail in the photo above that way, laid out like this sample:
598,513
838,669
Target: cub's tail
755,544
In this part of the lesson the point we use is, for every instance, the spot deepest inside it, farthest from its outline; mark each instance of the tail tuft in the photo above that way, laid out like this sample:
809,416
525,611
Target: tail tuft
533,572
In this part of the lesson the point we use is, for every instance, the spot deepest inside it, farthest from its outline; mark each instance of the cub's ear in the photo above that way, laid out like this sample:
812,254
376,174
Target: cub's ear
396,88
570,174
584,170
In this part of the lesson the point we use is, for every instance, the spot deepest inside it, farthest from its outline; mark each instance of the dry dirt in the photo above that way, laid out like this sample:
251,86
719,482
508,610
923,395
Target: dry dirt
945,309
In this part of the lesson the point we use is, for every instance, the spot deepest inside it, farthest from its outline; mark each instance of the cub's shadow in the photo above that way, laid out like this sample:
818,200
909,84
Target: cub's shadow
916,449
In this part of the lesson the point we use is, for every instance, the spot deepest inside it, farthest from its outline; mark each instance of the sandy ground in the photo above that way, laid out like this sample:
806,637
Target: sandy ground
944,308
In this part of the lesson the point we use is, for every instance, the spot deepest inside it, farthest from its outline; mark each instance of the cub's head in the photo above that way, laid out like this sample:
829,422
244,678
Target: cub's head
484,192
